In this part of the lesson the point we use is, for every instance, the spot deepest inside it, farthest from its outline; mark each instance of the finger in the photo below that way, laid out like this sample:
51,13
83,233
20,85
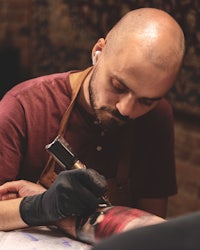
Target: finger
94,181
9,196
89,178
82,201
9,187
88,202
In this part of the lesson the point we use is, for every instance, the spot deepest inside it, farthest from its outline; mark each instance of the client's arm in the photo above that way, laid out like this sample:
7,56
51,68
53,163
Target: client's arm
74,192
10,216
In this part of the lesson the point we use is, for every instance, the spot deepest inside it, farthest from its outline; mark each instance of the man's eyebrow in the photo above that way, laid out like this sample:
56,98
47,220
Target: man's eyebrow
147,98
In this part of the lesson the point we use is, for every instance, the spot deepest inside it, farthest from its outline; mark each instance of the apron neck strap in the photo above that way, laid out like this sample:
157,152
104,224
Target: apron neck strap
76,81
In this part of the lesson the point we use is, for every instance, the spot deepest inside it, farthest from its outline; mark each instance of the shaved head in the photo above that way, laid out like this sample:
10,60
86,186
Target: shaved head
156,33
136,65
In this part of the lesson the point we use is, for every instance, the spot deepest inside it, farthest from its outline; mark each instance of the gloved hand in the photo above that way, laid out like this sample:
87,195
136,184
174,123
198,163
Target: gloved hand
74,192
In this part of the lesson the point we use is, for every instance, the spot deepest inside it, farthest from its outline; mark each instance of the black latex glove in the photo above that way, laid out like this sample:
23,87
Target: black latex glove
74,192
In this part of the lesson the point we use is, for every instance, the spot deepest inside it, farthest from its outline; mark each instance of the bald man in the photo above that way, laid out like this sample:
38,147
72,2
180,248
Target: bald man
120,126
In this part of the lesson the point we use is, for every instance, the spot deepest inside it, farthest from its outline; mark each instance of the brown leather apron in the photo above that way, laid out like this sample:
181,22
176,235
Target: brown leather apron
119,189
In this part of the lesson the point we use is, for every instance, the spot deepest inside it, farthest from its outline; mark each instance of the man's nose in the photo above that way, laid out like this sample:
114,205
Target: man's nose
126,105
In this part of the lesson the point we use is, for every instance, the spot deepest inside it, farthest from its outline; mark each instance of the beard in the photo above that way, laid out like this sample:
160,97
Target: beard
107,117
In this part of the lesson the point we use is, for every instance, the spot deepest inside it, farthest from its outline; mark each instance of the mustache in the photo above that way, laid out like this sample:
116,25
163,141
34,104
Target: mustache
115,113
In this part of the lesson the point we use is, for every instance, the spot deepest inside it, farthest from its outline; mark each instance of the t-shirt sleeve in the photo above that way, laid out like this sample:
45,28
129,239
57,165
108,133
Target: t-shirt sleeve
154,161
12,134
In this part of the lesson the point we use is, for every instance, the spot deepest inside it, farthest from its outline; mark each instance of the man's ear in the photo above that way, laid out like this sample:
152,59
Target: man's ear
98,47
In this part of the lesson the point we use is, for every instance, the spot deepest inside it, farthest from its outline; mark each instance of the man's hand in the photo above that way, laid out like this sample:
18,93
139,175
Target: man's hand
74,192
22,188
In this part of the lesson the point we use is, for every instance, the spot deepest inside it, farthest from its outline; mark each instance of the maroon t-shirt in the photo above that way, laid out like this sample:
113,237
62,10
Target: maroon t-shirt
30,114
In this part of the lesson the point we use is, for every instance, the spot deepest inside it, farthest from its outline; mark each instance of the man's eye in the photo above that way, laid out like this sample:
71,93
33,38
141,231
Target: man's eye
118,87
146,102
